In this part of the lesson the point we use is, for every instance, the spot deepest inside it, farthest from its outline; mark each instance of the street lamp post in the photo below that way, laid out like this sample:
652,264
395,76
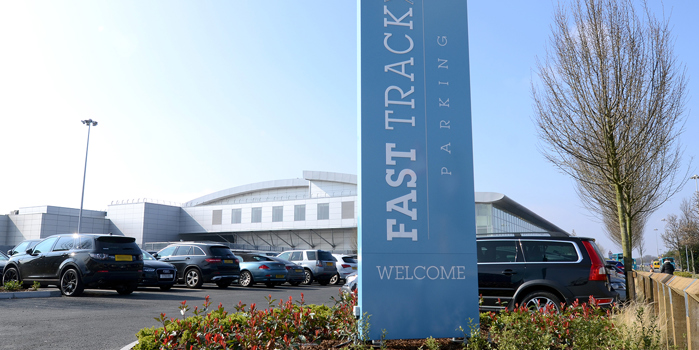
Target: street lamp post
89,123
657,250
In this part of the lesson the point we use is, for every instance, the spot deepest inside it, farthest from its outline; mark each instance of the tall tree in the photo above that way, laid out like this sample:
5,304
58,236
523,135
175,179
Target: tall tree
610,108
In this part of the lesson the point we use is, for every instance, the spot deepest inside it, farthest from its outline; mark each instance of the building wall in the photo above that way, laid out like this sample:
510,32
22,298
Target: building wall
127,219
201,219
4,219
43,221
337,240
160,223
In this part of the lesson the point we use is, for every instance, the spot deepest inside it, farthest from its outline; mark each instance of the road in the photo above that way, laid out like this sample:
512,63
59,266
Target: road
103,319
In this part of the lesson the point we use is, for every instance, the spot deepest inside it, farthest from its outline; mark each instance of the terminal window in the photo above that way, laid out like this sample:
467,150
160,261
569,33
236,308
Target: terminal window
277,214
256,215
236,216
323,211
217,217
300,212
348,210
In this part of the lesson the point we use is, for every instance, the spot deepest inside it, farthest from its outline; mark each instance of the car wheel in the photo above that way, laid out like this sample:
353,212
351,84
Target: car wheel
323,282
245,279
10,274
125,289
168,287
541,301
223,284
192,278
71,285
270,284
335,279
309,277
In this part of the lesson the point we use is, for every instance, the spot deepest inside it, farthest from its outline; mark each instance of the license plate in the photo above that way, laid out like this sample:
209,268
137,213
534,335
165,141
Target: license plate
228,261
166,276
299,270
329,263
123,258
354,267
281,276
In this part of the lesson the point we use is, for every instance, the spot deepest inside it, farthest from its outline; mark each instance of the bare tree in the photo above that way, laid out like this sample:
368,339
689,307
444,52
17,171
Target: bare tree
610,109
641,246
674,233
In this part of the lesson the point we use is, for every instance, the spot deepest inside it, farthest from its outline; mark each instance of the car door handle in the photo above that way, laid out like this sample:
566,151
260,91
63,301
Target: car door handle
509,272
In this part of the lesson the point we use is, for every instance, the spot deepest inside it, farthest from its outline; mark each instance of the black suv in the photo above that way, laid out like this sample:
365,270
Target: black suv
22,247
197,263
537,270
78,261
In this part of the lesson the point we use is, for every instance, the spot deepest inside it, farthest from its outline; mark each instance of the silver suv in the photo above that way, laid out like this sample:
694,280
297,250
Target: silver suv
319,265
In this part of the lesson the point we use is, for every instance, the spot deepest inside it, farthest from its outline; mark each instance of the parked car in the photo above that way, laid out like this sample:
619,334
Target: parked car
22,247
619,285
318,265
157,273
345,266
3,261
78,261
545,270
536,271
618,264
350,285
201,262
295,273
256,268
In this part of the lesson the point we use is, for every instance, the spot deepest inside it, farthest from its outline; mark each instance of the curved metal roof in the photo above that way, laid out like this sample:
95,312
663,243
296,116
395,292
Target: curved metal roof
275,184
503,202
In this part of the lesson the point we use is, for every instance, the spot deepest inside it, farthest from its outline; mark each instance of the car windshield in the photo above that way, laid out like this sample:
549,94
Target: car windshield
147,256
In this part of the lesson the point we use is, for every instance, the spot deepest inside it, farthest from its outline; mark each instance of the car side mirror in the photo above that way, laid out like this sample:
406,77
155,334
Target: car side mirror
9,252
30,251
155,255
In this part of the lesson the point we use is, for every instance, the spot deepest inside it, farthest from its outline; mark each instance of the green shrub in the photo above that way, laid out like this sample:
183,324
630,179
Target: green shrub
12,286
578,326
683,274
284,326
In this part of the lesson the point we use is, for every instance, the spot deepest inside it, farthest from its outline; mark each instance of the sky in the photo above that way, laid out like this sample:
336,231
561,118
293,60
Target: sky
197,97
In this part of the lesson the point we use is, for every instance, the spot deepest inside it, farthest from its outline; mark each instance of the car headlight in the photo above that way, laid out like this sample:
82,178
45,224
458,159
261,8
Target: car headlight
148,269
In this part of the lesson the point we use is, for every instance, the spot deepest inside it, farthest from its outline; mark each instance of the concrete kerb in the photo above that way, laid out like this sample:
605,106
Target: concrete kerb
130,346
41,293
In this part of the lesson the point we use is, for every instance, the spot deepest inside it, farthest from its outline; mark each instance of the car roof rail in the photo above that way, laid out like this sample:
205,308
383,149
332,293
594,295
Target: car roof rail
523,234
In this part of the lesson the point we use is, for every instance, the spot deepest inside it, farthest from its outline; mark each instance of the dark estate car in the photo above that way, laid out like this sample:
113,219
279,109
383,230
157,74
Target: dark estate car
157,273
200,262
541,270
536,270
74,262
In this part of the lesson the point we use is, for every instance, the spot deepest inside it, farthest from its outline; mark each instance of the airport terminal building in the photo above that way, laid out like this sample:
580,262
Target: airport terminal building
318,211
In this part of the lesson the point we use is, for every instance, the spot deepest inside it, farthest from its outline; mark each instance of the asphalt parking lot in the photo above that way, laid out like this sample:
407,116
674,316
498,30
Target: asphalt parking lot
103,319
